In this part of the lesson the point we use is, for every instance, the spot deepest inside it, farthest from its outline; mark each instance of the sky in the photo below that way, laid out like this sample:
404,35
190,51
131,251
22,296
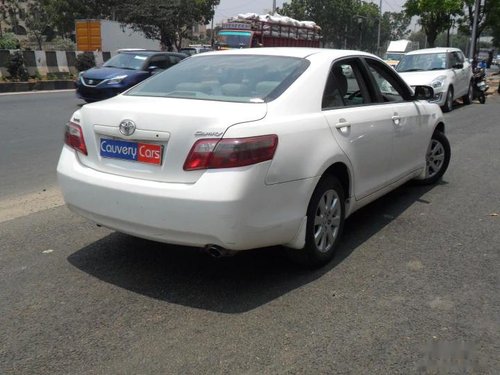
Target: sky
230,8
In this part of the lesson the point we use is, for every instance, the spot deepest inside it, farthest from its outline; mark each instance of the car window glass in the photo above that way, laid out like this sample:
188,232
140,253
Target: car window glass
126,61
344,87
454,59
387,84
245,79
160,62
173,60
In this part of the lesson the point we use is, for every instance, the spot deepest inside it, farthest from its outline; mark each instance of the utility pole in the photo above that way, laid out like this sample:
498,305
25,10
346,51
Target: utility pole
472,52
379,27
212,38
274,6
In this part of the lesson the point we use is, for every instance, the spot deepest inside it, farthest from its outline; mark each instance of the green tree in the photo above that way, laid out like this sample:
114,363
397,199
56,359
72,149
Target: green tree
495,25
169,21
339,27
488,18
37,21
398,24
435,15
10,13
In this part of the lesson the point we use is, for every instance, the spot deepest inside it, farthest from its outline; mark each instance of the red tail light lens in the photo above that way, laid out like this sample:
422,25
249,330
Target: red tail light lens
73,137
231,152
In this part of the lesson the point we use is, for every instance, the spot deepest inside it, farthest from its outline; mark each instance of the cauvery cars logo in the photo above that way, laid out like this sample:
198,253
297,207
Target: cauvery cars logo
127,127
133,151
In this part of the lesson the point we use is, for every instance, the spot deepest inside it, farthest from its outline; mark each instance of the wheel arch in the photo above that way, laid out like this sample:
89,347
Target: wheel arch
341,171
440,127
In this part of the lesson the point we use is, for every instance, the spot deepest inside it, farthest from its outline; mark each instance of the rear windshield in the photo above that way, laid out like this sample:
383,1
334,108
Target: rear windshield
233,78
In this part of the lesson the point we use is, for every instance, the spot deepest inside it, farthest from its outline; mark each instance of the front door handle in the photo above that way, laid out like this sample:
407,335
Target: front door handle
396,120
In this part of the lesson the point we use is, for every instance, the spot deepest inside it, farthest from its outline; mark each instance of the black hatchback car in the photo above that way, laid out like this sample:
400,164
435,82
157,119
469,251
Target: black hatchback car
121,72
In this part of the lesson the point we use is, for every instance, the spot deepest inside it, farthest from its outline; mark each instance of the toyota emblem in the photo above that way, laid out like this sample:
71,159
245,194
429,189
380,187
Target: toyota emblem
127,127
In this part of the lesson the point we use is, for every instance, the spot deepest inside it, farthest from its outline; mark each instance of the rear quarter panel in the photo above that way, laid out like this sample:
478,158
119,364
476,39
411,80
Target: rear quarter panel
306,146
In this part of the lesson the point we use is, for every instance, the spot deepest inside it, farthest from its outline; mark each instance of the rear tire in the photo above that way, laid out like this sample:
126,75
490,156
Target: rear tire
325,222
437,159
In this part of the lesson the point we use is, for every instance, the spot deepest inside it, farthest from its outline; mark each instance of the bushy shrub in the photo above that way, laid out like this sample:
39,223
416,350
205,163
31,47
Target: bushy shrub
9,41
16,67
62,44
85,61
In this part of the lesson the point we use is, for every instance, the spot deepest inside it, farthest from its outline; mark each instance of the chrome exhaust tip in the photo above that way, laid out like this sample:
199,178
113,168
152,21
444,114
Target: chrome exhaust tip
216,251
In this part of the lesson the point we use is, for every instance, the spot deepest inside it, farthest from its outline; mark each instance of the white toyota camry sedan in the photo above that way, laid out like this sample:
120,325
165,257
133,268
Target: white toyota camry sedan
241,149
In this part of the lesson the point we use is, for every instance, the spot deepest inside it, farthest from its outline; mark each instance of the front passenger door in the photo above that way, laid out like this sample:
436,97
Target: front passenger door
403,115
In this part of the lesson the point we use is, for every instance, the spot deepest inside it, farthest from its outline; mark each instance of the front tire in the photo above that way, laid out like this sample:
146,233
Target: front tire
437,159
448,104
482,98
325,222
467,98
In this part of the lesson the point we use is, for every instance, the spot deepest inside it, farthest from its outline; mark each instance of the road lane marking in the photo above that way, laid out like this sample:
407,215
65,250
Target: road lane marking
35,92
15,207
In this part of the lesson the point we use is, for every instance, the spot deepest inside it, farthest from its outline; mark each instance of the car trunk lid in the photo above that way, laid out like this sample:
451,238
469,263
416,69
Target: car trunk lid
165,130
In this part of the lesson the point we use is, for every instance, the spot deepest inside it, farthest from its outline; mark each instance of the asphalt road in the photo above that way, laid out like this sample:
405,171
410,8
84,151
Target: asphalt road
414,288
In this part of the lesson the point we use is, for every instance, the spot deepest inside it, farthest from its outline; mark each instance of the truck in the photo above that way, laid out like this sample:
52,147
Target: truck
252,30
396,50
105,35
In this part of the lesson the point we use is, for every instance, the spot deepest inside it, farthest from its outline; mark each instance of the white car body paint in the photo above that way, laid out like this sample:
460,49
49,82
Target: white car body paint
246,207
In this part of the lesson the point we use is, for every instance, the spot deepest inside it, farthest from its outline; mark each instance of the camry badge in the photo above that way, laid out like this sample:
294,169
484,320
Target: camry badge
200,133
127,127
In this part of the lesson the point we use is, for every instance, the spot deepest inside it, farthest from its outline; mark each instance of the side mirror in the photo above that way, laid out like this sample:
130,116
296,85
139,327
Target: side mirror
458,66
154,70
423,93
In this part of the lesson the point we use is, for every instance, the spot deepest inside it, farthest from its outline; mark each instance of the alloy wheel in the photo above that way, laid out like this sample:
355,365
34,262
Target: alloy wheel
435,158
327,221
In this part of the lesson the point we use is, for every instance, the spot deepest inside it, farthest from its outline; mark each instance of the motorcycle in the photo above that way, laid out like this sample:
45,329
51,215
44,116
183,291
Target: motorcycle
479,85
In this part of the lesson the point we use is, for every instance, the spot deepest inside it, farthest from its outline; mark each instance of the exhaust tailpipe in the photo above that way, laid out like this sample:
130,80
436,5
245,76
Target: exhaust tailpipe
217,251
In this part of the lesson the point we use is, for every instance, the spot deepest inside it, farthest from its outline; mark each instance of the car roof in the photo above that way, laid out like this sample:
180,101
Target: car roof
299,52
151,53
433,50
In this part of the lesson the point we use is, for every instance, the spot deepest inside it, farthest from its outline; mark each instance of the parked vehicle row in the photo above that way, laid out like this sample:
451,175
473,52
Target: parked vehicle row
123,71
447,71
248,148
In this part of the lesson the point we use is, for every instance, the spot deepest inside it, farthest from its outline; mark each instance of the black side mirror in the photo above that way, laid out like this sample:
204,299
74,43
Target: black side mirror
423,93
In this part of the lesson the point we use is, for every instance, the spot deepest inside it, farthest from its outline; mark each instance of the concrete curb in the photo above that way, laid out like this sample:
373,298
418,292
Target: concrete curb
38,85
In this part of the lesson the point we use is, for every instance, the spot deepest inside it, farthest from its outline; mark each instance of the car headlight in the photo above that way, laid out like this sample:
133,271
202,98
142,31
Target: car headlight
438,82
115,80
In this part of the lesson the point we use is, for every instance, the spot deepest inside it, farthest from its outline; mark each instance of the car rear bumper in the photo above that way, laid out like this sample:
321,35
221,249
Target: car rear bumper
227,208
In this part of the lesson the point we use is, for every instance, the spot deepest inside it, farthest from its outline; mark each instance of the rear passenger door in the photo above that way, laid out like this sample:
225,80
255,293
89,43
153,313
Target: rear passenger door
364,134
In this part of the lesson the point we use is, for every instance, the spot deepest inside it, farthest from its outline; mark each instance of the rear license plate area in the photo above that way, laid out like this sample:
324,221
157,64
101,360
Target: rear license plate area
148,153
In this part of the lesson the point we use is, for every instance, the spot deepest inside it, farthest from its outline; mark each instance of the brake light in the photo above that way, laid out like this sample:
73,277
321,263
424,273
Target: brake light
73,137
231,152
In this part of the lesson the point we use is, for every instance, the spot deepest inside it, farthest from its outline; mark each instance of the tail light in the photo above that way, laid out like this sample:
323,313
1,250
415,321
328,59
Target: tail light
73,137
231,152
